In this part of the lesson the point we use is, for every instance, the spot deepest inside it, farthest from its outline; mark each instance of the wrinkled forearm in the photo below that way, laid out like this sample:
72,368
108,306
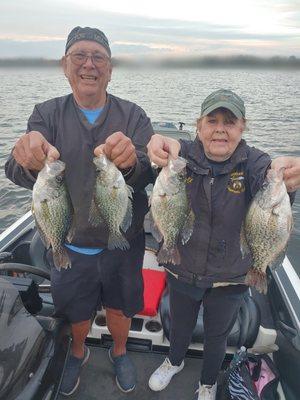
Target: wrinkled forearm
19,175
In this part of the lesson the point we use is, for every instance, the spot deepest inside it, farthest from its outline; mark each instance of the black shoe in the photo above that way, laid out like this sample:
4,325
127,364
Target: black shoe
71,377
124,370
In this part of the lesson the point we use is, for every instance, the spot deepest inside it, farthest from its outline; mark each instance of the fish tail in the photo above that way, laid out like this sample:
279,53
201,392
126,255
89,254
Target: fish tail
170,255
117,240
258,279
61,258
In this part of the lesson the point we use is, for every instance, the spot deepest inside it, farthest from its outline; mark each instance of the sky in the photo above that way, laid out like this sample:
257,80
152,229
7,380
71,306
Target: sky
158,28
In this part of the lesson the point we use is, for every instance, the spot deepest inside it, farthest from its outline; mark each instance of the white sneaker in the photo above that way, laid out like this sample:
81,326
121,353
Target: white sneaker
162,376
207,392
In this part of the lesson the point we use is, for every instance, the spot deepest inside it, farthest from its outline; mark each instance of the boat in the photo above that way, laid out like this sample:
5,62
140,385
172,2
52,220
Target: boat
170,129
35,345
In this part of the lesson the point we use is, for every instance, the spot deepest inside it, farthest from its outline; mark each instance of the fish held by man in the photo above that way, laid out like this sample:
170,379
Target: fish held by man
53,211
111,203
267,228
171,211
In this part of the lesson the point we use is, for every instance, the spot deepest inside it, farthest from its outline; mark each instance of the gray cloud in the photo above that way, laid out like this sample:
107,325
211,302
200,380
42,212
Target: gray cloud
40,20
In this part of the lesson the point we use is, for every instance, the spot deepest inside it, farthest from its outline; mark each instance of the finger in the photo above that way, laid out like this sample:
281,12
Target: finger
124,148
29,160
292,184
126,162
52,153
158,161
113,140
99,150
36,147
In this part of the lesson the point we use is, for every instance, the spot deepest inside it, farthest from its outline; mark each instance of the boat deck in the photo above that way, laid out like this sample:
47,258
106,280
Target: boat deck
98,381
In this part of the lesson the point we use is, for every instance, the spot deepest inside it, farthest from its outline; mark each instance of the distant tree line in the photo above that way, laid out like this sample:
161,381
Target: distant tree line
242,61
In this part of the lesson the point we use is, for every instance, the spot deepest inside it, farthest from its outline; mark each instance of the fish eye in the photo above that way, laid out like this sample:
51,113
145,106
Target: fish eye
264,185
59,179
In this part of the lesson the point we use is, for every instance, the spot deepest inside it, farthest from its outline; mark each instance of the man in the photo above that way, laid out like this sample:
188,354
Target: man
74,128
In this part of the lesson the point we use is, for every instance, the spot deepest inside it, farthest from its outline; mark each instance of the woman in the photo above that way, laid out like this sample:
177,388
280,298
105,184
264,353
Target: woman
212,270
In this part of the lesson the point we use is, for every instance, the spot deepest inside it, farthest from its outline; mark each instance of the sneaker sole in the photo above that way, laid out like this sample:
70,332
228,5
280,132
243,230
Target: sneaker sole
86,358
165,385
123,390
72,391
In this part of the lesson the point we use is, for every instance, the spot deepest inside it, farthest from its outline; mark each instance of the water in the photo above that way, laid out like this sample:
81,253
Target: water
271,98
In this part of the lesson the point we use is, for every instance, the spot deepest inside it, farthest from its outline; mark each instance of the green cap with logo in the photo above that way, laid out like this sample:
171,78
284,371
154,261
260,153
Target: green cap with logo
223,98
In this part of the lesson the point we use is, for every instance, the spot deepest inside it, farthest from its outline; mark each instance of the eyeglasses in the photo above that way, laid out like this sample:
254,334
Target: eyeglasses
80,58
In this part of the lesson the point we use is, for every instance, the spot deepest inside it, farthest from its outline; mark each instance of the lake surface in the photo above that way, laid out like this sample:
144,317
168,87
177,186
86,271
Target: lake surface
272,100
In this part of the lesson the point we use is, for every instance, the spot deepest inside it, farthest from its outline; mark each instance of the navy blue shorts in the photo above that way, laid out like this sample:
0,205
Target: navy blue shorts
110,279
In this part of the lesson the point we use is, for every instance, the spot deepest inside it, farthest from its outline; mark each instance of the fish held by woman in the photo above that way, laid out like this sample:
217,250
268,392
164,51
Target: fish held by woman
267,228
171,211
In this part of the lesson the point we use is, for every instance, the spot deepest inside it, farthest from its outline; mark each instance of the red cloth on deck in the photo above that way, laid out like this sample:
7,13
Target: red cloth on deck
154,284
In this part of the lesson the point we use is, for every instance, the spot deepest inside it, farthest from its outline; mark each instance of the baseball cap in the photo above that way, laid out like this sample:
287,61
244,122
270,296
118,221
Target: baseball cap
226,99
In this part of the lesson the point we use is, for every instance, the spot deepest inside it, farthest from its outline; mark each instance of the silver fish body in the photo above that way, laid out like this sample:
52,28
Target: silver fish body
170,210
267,228
112,202
53,211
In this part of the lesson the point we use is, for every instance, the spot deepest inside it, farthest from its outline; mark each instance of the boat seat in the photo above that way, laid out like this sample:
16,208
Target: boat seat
26,346
154,285
243,333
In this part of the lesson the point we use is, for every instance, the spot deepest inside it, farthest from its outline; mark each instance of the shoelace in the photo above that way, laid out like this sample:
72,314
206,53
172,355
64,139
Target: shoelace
166,366
204,389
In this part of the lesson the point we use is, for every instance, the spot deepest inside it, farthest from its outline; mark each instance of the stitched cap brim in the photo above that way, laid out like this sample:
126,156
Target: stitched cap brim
223,104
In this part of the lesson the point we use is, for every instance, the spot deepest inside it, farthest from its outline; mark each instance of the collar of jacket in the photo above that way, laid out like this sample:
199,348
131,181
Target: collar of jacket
198,162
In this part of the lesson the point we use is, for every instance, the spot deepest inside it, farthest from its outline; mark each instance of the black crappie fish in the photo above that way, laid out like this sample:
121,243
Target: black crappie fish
171,212
112,202
267,228
53,211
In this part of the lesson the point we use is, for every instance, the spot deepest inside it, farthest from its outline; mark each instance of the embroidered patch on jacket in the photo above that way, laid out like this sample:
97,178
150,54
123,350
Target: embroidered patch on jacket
236,182
189,179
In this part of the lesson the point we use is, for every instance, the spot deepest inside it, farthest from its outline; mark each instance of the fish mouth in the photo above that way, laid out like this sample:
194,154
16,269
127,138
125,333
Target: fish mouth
88,77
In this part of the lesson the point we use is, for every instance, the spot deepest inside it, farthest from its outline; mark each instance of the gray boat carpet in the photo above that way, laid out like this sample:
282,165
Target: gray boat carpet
98,382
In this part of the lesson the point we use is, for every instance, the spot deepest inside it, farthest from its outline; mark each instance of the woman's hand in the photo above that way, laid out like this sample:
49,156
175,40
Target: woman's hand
32,149
291,173
161,148
119,149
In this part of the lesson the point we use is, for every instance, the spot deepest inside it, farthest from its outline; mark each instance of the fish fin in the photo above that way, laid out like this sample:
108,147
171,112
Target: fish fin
71,231
61,258
127,217
243,242
154,229
171,255
290,223
42,234
95,218
130,191
117,240
188,227
278,259
276,210
258,279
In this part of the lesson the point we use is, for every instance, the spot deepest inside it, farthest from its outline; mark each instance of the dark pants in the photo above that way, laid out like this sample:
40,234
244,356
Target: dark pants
221,306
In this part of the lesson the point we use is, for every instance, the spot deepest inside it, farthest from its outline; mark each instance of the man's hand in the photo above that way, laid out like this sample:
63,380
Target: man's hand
119,149
32,149
291,173
161,148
